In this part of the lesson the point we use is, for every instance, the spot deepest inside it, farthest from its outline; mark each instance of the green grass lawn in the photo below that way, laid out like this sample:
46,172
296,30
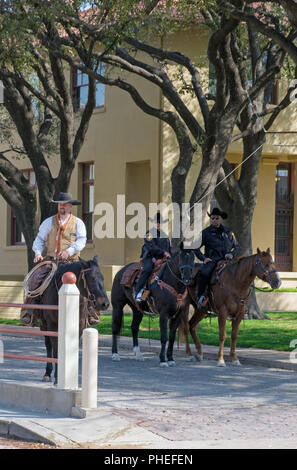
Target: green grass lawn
276,333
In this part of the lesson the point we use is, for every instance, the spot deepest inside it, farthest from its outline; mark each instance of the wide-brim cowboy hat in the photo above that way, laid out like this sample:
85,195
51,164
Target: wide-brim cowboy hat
66,198
217,211
158,218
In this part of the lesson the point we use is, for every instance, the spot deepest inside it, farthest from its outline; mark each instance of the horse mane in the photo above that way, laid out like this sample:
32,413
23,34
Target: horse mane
63,268
235,264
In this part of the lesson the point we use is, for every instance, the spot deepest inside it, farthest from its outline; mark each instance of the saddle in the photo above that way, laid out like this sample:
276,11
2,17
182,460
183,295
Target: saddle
132,274
214,277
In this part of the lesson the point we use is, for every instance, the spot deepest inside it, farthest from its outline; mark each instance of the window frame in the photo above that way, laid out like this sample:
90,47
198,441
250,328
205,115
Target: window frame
76,88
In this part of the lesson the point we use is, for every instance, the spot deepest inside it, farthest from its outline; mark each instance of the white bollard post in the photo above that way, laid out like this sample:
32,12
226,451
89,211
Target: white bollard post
89,368
68,338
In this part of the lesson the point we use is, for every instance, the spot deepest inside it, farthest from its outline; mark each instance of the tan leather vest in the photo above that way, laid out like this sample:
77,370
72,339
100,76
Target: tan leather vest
68,237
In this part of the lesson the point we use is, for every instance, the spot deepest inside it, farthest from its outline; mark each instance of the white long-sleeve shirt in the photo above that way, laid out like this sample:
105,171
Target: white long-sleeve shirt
39,243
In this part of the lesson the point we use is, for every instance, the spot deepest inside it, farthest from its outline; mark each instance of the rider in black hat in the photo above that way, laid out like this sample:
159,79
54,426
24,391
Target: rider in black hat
219,243
156,246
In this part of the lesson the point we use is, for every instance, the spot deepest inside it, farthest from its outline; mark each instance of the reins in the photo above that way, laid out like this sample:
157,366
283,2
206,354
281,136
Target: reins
162,284
91,298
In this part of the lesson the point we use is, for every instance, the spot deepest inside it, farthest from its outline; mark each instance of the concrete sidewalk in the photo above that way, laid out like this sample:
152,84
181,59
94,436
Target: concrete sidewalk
106,428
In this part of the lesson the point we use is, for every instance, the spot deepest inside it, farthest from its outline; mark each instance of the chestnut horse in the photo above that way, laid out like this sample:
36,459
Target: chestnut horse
228,296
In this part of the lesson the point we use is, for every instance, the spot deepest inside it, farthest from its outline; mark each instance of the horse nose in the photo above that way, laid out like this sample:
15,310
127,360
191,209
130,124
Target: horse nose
276,284
104,303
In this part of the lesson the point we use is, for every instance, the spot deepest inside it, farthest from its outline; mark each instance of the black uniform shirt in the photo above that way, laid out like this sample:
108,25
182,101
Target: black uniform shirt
217,242
155,244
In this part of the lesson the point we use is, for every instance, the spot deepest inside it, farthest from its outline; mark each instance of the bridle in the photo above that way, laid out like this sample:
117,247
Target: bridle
184,266
91,297
179,297
266,277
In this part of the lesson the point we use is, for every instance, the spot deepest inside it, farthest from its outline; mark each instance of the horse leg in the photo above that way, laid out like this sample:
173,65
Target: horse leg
196,318
117,316
184,330
174,323
163,330
49,365
55,356
234,334
137,317
222,336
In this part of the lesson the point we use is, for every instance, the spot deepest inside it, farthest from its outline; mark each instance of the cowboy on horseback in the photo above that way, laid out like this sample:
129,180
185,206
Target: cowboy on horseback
63,237
156,246
220,244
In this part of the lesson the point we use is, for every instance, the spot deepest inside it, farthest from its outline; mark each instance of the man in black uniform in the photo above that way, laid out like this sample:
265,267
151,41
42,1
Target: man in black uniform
220,243
156,246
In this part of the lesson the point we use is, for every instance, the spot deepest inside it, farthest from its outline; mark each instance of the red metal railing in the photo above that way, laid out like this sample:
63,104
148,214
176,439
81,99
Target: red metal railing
24,331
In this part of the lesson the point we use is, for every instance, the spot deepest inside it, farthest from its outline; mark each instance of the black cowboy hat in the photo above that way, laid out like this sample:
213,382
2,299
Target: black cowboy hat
158,219
217,211
66,198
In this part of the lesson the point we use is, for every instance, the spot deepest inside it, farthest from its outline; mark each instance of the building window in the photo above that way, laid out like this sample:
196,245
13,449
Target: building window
16,235
284,215
81,89
88,198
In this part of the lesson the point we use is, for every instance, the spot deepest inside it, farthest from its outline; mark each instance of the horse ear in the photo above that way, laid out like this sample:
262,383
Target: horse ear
95,259
268,251
258,251
83,263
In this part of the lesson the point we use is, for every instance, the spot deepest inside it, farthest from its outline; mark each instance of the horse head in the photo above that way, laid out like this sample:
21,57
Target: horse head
186,264
94,283
265,269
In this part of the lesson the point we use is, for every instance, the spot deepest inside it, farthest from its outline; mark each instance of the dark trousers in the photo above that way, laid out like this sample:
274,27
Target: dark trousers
145,273
205,275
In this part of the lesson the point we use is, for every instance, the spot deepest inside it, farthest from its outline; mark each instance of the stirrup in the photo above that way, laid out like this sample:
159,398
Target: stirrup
138,297
202,301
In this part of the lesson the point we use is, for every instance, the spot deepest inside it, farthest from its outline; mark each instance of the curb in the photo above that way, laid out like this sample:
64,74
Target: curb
13,430
256,357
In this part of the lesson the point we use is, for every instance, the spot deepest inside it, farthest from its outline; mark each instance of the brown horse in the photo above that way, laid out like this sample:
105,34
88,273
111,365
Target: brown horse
229,295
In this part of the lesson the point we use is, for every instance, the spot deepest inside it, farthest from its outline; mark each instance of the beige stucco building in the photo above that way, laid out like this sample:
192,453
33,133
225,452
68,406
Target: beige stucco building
127,152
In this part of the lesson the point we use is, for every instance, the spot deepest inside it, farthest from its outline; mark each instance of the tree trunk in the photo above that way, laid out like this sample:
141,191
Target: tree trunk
238,198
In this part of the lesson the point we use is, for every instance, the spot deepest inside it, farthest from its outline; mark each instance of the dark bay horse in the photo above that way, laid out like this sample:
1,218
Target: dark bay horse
167,294
90,284
229,297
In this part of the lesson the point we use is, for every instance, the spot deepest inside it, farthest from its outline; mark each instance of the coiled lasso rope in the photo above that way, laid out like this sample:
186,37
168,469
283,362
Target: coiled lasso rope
45,283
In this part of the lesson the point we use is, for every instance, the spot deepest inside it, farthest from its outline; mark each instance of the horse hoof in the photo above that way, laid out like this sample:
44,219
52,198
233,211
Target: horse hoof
46,378
236,363
221,363
199,357
171,363
139,356
190,359
163,364
115,357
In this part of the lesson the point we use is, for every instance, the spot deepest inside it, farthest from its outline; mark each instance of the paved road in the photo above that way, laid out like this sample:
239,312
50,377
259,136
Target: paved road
196,402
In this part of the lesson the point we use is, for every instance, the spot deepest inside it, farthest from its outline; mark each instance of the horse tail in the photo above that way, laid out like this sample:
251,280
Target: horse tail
183,328
118,301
